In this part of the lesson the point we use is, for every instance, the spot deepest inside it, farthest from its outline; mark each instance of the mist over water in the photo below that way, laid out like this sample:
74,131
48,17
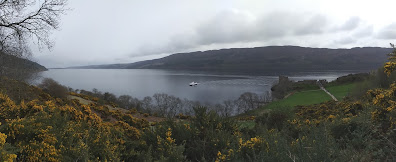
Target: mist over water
139,83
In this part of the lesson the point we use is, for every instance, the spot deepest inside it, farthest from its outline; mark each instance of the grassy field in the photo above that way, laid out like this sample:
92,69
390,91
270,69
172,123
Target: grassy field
340,91
311,97
246,124
299,98
307,97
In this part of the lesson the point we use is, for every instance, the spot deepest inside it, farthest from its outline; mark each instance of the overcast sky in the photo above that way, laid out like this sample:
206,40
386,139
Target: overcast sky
125,31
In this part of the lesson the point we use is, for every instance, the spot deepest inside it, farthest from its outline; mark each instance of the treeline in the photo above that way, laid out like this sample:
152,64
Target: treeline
164,105
160,104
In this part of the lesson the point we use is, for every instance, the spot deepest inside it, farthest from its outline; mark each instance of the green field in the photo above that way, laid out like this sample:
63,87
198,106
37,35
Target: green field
301,98
340,91
307,97
246,124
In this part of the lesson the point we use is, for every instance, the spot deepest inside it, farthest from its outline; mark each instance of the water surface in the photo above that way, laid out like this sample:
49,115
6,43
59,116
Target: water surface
139,83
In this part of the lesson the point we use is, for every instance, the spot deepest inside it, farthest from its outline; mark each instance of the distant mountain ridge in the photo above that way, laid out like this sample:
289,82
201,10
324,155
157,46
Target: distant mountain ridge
270,58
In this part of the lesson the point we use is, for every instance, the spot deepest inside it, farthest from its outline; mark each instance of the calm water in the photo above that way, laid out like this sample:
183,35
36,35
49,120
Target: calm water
139,83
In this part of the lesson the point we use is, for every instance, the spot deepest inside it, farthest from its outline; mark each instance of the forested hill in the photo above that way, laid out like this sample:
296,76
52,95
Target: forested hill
13,66
271,58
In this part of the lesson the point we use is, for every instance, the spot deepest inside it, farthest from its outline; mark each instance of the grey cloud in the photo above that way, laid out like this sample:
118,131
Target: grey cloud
226,27
364,32
235,27
177,43
274,25
230,27
388,32
314,25
350,24
346,40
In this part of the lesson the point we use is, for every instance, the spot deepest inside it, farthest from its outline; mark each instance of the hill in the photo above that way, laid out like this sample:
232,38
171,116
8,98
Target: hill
265,59
15,67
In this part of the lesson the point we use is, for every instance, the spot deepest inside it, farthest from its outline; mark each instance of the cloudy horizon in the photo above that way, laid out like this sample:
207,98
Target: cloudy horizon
104,32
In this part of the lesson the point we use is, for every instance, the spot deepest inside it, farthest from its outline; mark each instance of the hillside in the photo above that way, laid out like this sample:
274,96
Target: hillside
262,59
16,67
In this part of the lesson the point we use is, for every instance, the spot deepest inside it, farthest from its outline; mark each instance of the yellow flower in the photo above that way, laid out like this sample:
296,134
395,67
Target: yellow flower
346,120
331,117
3,138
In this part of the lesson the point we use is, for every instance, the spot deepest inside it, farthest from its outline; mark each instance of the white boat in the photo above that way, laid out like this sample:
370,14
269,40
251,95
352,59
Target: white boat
193,83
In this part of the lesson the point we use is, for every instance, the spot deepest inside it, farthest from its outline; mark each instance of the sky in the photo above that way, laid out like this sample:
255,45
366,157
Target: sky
124,31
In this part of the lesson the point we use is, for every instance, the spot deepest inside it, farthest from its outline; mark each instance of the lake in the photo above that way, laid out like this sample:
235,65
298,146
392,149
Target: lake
139,83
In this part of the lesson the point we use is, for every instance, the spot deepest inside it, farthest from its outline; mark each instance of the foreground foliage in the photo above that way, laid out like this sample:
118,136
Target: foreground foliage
66,130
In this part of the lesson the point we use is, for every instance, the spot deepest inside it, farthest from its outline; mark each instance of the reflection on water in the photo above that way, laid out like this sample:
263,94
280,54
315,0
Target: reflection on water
213,88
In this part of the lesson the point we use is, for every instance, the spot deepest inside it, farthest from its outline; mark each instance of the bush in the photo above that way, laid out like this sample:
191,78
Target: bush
273,120
53,88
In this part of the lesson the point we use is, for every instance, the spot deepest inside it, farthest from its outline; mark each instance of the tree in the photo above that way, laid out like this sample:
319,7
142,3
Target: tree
229,107
247,101
109,97
53,88
147,104
21,20
167,105
390,66
124,101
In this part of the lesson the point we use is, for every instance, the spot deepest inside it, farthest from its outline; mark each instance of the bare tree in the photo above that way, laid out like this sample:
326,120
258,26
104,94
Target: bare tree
247,101
188,106
167,105
229,107
125,101
218,108
161,103
21,20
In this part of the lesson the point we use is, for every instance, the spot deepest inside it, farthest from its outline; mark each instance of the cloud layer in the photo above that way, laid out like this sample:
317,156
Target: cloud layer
103,32
236,27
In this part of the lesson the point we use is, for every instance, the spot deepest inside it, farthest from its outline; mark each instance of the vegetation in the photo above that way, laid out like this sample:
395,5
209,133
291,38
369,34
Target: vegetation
28,19
53,88
301,98
20,22
164,105
18,68
340,91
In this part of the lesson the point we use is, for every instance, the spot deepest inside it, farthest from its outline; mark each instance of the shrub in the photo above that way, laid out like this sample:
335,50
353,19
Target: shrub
133,111
182,116
53,88
272,120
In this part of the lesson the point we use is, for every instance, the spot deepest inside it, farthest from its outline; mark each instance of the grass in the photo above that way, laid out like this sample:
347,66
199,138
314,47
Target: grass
299,98
246,124
340,91
307,97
